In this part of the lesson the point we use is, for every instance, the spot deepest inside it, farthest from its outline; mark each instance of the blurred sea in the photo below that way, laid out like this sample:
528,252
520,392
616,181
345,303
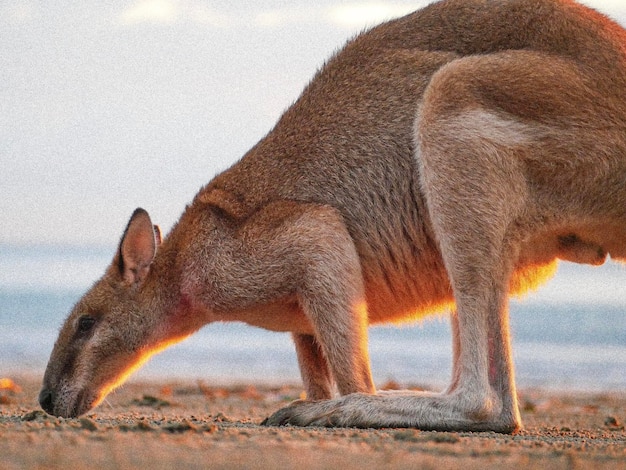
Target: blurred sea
571,334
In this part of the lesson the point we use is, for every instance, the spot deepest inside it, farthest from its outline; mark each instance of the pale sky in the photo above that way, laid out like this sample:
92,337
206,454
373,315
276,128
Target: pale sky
107,106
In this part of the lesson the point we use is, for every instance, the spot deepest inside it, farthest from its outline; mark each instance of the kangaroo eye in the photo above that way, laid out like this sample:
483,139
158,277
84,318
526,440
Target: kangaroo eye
85,324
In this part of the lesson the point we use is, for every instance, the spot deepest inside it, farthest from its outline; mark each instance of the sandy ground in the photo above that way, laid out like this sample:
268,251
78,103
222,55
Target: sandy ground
193,425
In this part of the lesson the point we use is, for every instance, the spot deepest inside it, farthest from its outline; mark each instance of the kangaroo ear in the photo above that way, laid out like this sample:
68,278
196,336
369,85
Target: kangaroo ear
157,235
137,247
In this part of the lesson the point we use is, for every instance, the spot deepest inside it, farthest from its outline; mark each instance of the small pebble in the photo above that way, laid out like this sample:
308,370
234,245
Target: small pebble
182,426
612,422
88,424
410,435
35,414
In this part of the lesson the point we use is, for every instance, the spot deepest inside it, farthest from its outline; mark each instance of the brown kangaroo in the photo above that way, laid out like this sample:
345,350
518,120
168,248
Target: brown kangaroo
445,159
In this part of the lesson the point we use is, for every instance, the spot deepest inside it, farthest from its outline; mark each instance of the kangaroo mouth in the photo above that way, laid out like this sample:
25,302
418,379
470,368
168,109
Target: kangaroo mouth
84,402
66,405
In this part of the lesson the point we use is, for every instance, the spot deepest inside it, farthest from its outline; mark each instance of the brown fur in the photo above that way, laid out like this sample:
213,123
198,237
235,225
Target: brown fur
443,159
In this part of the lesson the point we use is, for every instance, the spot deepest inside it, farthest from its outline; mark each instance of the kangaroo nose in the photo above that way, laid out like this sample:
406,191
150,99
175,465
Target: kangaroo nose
46,400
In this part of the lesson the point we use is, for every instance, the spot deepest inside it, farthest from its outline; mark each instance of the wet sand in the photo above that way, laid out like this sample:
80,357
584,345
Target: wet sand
193,425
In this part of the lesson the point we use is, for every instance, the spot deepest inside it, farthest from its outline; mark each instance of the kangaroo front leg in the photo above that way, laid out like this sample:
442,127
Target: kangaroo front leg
313,367
304,251
332,297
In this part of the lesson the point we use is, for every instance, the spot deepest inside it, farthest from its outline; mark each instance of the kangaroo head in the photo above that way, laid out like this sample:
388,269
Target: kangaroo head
108,333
